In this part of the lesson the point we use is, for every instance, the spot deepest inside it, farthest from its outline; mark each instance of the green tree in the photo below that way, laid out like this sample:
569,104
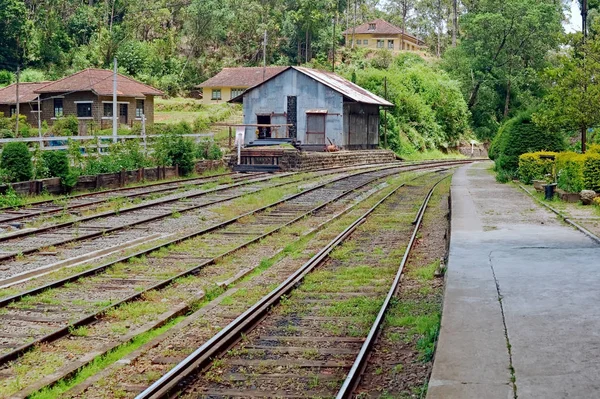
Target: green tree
16,162
14,31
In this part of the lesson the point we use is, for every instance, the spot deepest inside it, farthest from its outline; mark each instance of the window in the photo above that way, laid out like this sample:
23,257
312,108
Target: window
365,42
391,44
34,107
237,92
358,42
84,110
380,43
372,26
216,94
108,108
58,107
13,110
139,108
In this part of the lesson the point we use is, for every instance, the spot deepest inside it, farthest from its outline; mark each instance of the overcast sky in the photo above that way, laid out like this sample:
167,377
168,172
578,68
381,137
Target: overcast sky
575,22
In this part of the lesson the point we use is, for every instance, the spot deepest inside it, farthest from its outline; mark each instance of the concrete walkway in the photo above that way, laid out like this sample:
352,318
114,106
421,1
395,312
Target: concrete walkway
522,294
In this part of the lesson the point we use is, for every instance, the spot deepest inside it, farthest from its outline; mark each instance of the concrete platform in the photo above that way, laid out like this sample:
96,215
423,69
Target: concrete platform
517,278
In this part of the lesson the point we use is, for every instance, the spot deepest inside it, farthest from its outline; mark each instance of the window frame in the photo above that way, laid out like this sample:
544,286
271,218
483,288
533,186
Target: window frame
365,42
139,114
372,27
390,45
61,108
88,105
358,42
380,43
213,95
107,107
237,92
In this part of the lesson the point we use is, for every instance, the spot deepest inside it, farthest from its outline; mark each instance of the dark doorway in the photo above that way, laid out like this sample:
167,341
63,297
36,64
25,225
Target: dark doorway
292,116
263,131
123,114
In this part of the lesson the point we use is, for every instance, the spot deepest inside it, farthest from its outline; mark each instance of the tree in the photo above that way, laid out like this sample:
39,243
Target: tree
14,30
571,102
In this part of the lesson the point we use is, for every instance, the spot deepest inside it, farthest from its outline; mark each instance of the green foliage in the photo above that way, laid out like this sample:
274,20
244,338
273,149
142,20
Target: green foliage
10,199
591,172
569,170
208,149
429,111
518,136
65,126
56,164
16,161
173,149
6,78
122,155
535,166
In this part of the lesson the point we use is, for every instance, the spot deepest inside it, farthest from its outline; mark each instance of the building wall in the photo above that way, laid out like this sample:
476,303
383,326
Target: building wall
409,43
24,109
70,108
225,94
361,126
271,99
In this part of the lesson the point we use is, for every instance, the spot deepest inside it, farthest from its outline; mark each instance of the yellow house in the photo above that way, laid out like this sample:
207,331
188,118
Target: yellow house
380,34
231,82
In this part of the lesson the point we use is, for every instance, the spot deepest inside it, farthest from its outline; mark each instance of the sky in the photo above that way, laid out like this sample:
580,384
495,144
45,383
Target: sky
574,25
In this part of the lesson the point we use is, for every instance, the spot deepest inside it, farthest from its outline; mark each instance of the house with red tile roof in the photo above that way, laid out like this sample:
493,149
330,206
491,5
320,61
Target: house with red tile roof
231,82
88,95
28,104
380,34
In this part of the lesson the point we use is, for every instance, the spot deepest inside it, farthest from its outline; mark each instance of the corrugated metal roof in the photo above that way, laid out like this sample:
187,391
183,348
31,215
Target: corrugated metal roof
344,87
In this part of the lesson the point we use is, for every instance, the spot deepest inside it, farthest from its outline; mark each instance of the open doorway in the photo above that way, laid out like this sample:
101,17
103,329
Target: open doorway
263,132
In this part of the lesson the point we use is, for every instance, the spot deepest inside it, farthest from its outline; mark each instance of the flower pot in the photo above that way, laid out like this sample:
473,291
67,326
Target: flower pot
538,185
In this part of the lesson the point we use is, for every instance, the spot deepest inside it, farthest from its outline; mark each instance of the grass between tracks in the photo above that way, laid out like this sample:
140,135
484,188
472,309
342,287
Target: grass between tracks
292,250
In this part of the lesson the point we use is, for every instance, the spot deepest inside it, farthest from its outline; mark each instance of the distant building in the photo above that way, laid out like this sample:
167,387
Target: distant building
380,34
313,108
28,104
231,82
86,94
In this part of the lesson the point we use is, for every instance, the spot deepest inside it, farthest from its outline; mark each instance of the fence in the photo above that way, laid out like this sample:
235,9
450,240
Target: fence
99,142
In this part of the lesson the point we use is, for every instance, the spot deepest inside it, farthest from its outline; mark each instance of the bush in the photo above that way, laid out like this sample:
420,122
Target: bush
56,164
173,149
16,161
591,172
6,78
518,136
569,169
596,201
593,149
65,126
208,149
532,166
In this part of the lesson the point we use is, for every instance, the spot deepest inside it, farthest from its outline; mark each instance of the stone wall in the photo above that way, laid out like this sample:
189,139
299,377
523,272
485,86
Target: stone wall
105,180
479,151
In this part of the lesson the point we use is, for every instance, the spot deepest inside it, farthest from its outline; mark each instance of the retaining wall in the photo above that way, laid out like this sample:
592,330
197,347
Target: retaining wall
105,180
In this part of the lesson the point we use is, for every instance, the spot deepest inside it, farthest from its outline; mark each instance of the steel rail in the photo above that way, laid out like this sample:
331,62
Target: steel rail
353,378
579,227
92,317
92,193
103,200
232,332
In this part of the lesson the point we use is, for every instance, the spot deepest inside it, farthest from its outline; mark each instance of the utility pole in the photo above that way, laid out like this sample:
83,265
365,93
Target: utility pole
115,108
333,46
455,23
17,102
385,113
265,56
39,117
354,26
584,15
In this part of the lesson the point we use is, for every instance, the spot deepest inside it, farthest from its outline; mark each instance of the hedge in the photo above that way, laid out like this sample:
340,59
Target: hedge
591,172
575,172
16,162
532,166
569,166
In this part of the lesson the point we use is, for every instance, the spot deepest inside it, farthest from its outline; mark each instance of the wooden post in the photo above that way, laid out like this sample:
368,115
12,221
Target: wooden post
230,136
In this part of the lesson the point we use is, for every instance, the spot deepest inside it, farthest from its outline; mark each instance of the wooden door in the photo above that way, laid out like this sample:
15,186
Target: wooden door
315,128
123,114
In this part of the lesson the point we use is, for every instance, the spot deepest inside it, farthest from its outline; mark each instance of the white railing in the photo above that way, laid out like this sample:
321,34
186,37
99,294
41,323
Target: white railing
98,140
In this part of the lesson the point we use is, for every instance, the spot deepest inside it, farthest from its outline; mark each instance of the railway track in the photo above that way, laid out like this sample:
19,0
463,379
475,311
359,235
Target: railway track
51,250
75,203
311,335
50,312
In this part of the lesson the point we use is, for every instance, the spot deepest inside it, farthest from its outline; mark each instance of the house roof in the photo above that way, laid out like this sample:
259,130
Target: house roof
100,82
343,86
382,27
8,94
241,77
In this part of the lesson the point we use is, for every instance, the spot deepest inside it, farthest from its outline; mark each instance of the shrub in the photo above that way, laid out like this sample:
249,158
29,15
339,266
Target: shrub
6,78
591,172
596,201
56,164
520,135
533,166
569,169
65,126
16,160
173,149
208,149
593,149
